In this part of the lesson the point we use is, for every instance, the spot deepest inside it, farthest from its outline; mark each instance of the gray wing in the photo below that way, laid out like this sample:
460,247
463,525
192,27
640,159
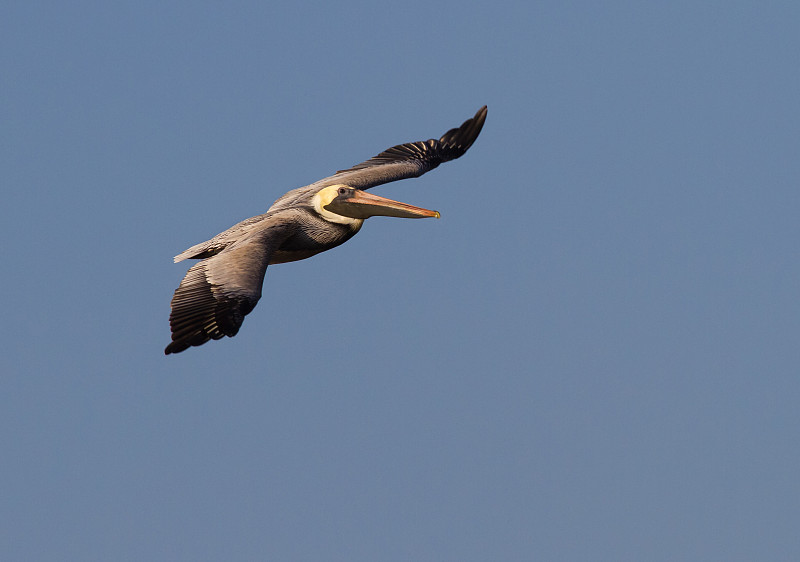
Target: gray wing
410,160
223,239
218,292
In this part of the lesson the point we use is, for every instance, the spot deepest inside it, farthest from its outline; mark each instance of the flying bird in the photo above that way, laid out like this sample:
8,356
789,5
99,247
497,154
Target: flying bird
220,290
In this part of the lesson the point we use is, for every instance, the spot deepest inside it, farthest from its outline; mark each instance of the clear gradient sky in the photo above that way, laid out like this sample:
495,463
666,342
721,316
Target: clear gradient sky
592,355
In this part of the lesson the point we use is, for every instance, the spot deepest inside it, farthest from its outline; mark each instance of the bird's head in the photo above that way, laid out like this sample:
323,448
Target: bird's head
347,205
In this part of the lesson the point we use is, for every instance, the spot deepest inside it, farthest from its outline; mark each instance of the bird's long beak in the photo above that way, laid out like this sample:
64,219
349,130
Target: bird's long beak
363,205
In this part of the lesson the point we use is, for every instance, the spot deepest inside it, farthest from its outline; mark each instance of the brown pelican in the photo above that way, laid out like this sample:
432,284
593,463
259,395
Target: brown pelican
219,291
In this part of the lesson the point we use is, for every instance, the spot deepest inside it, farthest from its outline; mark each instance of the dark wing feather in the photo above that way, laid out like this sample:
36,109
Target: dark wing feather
410,160
217,293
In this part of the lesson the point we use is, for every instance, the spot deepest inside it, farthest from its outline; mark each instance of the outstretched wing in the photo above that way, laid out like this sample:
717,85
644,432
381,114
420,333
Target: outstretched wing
218,292
410,160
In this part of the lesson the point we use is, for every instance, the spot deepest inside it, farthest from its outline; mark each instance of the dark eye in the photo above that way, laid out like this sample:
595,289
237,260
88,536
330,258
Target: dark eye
342,191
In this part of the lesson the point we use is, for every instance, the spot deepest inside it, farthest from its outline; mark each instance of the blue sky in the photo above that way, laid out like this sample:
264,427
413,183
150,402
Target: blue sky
592,355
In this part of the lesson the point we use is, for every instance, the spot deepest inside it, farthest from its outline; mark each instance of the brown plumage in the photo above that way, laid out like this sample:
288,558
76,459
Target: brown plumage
219,291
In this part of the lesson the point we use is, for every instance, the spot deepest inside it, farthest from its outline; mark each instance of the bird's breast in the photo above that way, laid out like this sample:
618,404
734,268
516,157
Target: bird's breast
313,236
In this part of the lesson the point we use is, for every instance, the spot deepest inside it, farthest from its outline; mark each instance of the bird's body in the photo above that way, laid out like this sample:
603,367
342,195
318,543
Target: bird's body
217,292
311,235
